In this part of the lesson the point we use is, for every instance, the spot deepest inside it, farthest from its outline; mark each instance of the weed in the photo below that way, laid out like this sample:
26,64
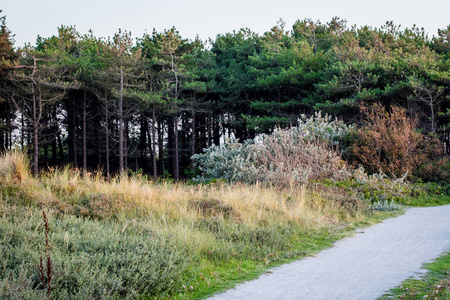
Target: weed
46,273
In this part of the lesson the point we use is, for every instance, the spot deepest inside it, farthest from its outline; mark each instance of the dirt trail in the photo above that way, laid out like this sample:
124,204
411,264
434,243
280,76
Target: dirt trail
364,266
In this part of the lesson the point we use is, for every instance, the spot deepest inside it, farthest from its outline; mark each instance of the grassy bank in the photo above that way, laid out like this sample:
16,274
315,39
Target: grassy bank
435,284
131,238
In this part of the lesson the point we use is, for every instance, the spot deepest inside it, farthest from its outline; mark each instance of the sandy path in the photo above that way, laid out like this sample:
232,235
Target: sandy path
364,266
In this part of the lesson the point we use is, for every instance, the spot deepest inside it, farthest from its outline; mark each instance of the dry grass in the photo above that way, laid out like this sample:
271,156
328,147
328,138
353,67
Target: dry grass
14,165
246,204
212,223
177,207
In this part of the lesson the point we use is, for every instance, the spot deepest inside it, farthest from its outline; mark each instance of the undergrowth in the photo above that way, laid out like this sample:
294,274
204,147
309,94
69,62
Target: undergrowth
130,238
90,259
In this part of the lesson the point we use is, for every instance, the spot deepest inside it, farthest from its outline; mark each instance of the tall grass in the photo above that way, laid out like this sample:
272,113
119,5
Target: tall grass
14,165
128,236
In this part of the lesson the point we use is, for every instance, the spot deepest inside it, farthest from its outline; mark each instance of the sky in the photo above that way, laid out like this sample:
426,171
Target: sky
29,18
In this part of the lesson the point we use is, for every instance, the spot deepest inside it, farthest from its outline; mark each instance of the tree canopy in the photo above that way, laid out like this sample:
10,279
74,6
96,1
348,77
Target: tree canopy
148,104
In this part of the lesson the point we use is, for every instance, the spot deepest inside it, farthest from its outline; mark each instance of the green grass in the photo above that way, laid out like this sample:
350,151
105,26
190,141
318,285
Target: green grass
427,194
426,200
435,284
229,273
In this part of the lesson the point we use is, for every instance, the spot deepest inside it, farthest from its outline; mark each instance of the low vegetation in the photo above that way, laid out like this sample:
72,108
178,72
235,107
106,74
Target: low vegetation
435,284
128,236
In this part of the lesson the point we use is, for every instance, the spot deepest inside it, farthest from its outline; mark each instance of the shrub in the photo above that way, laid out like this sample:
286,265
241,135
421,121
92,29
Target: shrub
389,143
385,205
231,161
90,259
374,187
286,157
325,129
435,169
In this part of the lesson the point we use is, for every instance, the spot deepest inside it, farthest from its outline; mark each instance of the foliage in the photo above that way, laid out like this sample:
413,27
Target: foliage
286,157
324,128
435,169
374,188
90,259
161,98
427,194
385,205
231,161
389,143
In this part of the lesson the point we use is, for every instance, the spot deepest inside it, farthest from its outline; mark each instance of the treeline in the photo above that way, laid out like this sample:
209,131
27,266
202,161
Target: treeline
152,102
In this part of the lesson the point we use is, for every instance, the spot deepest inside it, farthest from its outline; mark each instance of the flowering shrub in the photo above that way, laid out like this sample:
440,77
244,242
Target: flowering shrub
285,157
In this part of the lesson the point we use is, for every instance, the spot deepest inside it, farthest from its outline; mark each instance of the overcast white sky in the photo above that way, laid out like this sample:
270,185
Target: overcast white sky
207,18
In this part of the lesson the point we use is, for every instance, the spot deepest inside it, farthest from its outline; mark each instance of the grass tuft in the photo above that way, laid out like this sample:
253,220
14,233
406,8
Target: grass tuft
14,165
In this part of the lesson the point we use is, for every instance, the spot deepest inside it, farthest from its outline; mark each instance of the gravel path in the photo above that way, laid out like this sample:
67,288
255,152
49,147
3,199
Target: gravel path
364,266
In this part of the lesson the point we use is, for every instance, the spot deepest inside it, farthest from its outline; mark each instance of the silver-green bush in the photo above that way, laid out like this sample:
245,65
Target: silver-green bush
309,151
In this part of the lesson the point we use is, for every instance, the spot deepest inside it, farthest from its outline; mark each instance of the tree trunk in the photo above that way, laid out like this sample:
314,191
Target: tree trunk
144,137
161,146
107,138
2,138
35,135
202,131
60,146
433,128
142,147
84,134
176,167
149,146
121,123
55,136
184,145
209,130
171,146
35,144
22,140
125,146
216,135
155,174
36,119
192,138
7,130
74,135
